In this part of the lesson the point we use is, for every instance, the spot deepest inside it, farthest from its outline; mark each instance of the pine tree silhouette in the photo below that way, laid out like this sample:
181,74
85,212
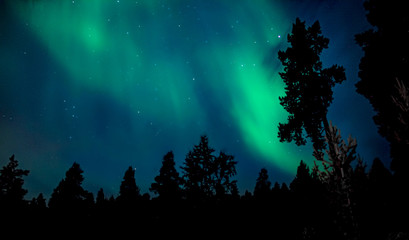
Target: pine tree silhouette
129,192
309,203
11,185
247,196
224,167
197,171
262,189
167,183
206,176
302,180
380,178
69,194
276,189
101,201
284,188
374,198
308,85
39,202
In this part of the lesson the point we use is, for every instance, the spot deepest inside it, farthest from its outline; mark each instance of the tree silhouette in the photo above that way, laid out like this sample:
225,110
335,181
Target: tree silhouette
380,182
262,189
11,184
197,171
308,85
302,180
39,202
129,192
284,188
337,172
337,175
101,201
247,196
234,191
379,176
276,189
386,59
167,183
224,167
69,194
359,184
308,196
306,186
206,176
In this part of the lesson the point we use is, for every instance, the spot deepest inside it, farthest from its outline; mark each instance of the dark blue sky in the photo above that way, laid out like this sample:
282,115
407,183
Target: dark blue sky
110,84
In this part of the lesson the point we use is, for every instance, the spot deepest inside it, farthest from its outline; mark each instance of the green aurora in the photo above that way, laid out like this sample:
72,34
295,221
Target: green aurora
162,71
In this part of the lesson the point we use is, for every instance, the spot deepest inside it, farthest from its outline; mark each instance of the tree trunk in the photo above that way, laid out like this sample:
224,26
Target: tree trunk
346,209
328,136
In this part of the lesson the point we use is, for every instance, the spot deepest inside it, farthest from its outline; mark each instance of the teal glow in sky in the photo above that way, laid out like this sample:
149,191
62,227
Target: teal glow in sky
116,83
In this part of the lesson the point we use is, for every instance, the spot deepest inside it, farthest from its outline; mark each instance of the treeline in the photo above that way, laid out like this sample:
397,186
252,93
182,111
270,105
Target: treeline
205,196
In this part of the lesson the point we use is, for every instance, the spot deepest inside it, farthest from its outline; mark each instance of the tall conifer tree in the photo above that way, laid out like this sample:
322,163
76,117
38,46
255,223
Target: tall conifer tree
11,184
167,183
308,91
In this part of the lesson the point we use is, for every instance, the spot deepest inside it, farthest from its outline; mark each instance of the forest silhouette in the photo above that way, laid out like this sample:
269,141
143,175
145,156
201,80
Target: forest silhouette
339,197
205,198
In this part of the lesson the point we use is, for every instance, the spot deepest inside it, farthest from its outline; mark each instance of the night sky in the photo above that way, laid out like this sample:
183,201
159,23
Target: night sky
114,83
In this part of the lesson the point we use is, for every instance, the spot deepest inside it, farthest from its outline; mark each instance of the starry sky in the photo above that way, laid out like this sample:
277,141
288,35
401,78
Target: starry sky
114,83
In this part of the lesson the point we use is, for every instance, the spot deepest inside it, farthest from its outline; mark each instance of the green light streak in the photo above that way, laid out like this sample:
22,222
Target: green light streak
120,51
257,111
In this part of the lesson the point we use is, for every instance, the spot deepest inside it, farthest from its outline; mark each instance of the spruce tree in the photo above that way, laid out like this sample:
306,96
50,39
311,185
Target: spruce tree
39,202
380,183
69,194
276,189
129,192
197,171
302,181
224,169
167,183
262,189
11,184
101,201
206,176
379,176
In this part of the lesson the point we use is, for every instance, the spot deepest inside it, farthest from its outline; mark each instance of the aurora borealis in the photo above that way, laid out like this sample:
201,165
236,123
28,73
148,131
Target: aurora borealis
115,83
